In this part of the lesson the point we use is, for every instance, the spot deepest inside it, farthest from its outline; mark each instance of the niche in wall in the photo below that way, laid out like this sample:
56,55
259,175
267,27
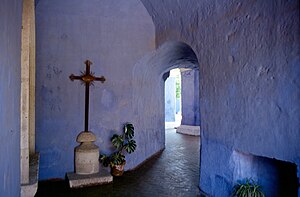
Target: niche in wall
278,178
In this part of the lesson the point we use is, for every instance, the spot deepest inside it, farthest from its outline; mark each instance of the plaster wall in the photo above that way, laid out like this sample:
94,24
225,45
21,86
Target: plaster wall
190,97
10,80
170,99
248,53
114,35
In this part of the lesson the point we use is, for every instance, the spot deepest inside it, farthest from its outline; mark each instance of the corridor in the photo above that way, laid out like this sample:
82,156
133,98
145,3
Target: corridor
174,172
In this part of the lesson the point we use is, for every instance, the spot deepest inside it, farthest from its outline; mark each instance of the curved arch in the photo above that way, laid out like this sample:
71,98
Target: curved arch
171,54
176,54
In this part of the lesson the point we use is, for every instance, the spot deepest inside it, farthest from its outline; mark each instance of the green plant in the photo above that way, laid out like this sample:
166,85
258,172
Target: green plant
247,188
121,143
178,87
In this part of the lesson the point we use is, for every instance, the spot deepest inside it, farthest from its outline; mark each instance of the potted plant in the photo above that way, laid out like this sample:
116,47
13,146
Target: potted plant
122,143
248,188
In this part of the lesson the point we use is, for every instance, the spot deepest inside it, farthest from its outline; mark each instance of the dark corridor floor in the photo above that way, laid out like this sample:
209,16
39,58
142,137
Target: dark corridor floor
174,172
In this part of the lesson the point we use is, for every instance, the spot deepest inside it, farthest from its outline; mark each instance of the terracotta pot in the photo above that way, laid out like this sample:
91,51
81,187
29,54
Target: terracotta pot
118,170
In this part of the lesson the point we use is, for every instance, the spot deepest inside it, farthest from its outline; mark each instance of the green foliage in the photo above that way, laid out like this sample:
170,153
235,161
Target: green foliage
129,131
104,159
117,141
117,158
130,146
248,188
120,142
178,88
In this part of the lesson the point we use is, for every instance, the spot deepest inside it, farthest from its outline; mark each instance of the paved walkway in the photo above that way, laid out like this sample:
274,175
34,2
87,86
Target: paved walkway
174,172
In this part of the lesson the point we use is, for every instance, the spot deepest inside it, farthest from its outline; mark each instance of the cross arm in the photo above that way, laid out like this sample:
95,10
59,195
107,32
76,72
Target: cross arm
73,77
102,79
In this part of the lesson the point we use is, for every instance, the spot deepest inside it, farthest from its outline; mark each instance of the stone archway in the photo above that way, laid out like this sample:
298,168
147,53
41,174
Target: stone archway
149,76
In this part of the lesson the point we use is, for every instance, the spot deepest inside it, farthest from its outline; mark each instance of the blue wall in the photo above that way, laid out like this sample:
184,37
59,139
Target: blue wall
119,37
248,54
114,35
10,59
170,99
190,97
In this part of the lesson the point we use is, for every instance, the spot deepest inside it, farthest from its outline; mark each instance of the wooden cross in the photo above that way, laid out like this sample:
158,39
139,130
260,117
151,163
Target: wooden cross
87,79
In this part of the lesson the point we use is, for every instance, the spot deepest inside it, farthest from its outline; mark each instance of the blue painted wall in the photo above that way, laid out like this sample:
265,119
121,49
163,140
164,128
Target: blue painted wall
178,105
114,35
190,97
170,99
248,54
10,66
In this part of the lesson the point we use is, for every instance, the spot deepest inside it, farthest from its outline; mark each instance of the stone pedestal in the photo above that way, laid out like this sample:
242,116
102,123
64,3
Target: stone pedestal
79,181
29,189
87,171
86,154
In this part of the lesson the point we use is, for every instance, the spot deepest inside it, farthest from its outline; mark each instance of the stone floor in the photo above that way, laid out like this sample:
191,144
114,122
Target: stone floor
174,172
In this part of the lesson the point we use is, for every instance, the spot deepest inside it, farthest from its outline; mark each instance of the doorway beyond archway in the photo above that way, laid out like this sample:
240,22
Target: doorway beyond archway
173,99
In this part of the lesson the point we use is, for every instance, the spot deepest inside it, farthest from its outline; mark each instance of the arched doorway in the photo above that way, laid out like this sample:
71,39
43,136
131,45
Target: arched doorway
180,56
149,77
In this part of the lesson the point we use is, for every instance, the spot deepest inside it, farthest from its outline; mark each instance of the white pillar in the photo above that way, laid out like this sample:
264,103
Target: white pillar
27,86
32,79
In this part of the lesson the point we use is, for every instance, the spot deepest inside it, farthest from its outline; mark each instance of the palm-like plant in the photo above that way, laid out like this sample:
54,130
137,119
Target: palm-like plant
249,188
121,143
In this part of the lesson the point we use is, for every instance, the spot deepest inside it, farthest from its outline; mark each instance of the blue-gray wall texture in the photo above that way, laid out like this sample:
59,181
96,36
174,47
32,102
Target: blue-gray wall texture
190,97
248,54
248,57
170,99
10,66
114,35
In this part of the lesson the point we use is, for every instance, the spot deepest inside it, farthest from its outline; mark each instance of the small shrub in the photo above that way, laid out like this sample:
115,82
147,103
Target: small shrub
122,143
248,188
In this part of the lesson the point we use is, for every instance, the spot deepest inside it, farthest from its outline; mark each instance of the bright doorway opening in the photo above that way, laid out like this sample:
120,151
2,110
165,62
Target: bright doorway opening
173,106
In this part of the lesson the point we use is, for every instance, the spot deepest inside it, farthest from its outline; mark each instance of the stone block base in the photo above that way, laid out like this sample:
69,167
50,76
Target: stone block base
78,181
189,130
29,190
